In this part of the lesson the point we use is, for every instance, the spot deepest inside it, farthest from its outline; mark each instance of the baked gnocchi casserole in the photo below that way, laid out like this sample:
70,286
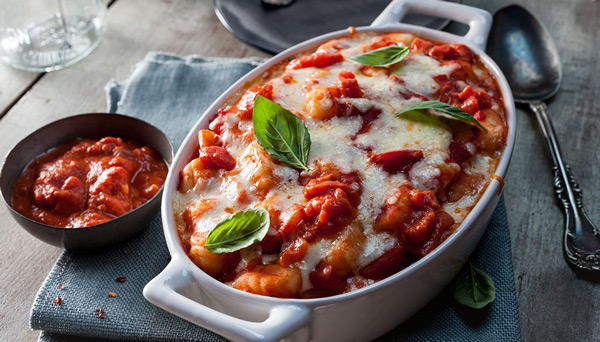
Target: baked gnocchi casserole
341,167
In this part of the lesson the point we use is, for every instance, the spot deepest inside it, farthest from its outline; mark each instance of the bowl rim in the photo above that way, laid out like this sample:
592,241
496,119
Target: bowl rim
493,188
59,122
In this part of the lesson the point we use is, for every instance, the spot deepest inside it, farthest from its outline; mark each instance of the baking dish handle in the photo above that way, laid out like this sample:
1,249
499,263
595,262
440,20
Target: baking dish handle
478,20
282,319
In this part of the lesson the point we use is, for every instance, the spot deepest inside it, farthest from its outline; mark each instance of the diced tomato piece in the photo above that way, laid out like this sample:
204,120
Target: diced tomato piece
389,263
217,157
470,105
348,85
462,52
441,78
466,93
421,199
245,106
230,263
317,60
397,161
409,95
479,116
459,152
324,278
419,45
271,244
443,52
484,99
294,253
417,232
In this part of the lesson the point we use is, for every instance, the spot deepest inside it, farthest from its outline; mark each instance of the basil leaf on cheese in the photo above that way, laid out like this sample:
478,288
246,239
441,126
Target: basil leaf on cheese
382,57
451,111
238,231
474,288
280,133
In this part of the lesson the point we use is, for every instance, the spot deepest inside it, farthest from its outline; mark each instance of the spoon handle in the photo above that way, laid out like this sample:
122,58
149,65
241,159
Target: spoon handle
582,239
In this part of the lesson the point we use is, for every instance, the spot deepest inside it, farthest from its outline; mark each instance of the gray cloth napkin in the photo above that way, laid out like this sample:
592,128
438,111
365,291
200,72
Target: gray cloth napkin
172,92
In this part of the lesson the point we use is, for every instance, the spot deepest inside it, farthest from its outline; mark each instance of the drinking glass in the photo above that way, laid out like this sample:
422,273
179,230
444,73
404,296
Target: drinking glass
47,35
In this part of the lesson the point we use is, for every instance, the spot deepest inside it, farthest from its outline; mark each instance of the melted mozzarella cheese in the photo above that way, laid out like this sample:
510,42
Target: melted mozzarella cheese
316,252
375,246
331,142
417,72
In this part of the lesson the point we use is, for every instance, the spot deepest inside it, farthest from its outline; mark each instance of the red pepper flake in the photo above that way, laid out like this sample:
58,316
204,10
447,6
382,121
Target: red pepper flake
100,314
112,294
57,301
121,279
61,286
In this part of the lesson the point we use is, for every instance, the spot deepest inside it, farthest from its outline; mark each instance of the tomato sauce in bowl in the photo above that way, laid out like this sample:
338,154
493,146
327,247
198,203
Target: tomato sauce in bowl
88,181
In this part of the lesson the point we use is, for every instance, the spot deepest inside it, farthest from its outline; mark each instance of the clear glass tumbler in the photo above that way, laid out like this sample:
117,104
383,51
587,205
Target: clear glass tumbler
47,35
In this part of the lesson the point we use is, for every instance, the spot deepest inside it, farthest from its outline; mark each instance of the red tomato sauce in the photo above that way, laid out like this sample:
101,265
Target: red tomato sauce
87,182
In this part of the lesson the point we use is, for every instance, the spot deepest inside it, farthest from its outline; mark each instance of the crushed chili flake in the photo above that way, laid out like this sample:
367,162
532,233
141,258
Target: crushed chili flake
57,301
121,279
61,286
112,294
100,314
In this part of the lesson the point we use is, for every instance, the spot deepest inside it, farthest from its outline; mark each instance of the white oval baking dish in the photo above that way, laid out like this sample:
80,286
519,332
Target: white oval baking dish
186,291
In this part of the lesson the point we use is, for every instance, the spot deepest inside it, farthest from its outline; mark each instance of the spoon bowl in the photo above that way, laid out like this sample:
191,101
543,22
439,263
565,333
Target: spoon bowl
524,50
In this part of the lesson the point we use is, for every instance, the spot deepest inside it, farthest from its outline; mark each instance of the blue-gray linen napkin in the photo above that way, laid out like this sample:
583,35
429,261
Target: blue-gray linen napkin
171,92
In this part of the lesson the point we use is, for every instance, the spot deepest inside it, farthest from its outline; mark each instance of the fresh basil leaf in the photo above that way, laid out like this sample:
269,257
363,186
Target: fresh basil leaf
281,133
453,112
238,231
474,288
382,57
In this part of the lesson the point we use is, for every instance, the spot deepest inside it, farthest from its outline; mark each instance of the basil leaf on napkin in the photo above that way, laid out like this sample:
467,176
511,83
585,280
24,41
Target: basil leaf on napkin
281,133
453,112
238,231
382,57
474,288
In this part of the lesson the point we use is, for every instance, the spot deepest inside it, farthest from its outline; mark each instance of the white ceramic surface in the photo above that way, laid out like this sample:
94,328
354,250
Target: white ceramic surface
186,291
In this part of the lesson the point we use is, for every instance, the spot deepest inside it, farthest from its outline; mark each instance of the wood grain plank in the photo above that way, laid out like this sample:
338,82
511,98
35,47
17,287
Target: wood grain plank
14,83
135,27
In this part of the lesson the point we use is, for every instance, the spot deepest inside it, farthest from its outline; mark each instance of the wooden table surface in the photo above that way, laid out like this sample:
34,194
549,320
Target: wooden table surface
554,304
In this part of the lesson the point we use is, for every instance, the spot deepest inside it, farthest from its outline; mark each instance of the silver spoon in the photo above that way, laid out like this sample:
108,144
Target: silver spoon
525,52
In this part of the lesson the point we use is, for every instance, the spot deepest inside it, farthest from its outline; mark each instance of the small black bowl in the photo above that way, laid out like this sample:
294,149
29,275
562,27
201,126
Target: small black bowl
94,125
